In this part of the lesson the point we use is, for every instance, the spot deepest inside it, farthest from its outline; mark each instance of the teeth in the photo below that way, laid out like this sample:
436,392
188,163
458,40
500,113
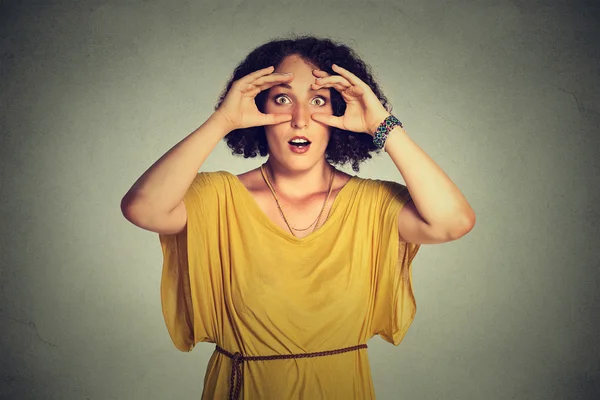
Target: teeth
304,141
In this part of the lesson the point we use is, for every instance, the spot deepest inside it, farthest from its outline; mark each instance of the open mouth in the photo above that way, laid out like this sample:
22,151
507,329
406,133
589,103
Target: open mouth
299,142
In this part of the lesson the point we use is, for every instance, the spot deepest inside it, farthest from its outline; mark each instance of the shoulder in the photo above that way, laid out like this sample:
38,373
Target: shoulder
205,183
252,179
392,188
211,177
381,188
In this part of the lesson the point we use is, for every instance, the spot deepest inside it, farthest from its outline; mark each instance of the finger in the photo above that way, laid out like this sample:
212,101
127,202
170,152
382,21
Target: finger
319,73
333,79
254,88
268,81
273,119
353,79
251,91
340,88
327,119
257,74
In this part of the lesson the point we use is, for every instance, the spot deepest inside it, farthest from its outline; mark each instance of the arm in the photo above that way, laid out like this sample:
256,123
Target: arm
155,201
438,211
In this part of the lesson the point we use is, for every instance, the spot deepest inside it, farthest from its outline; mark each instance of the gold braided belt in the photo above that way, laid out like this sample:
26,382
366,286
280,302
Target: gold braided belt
235,385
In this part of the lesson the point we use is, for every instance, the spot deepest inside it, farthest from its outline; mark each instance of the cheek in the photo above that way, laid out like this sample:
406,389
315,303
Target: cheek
271,108
326,109
273,133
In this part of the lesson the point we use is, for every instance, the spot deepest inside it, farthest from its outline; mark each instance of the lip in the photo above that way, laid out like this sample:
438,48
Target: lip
300,137
299,150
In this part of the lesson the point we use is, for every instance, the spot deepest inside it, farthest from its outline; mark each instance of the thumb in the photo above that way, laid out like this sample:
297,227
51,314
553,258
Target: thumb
327,119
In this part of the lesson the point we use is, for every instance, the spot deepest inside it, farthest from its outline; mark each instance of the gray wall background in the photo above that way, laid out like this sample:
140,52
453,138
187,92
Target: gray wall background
504,96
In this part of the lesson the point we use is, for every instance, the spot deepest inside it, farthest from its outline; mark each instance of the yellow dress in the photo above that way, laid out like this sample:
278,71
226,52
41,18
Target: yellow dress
236,279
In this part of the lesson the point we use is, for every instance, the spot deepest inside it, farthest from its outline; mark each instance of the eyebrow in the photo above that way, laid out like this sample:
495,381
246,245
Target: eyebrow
285,85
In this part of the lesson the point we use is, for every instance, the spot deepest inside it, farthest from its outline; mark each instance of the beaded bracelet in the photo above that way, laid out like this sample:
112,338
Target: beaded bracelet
383,130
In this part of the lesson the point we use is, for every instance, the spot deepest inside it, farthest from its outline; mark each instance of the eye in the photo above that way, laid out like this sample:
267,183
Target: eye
280,97
322,100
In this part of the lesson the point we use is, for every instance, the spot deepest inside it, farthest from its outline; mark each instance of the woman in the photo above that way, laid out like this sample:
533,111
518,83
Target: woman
291,267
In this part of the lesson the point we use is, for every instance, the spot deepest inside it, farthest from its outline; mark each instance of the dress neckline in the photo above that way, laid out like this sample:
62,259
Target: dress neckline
251,203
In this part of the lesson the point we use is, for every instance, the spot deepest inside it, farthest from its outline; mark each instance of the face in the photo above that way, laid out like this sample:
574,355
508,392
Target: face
300,100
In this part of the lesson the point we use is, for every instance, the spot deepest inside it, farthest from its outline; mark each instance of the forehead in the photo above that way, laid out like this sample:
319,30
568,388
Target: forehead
303,75
296,64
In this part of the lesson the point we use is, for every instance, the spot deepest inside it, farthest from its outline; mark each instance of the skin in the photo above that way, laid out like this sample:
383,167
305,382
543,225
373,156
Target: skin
301,181
437,213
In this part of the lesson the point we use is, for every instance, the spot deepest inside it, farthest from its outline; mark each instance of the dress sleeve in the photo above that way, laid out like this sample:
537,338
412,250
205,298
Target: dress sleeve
188,289
394,305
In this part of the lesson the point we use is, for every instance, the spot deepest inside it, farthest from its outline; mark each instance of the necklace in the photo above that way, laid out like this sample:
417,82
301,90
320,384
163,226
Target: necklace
316,222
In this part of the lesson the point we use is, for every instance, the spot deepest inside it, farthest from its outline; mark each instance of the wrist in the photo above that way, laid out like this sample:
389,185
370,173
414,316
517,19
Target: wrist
383,130
380,118
223,120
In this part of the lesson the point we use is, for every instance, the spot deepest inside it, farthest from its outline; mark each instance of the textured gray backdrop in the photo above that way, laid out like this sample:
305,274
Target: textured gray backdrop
504,95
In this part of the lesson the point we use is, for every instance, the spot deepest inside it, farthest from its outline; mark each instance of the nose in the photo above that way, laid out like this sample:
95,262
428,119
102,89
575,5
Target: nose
300,117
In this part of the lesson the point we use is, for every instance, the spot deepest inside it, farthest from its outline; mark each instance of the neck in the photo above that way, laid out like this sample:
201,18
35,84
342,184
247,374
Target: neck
299,185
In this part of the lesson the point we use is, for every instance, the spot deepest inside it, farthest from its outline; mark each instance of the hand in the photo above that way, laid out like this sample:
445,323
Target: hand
364,112
239,108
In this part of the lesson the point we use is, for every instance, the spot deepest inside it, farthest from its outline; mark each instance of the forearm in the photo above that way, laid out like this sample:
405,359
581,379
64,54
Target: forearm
162,187
436,197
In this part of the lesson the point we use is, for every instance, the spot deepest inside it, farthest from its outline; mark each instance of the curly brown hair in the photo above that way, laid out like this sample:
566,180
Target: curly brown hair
344,146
